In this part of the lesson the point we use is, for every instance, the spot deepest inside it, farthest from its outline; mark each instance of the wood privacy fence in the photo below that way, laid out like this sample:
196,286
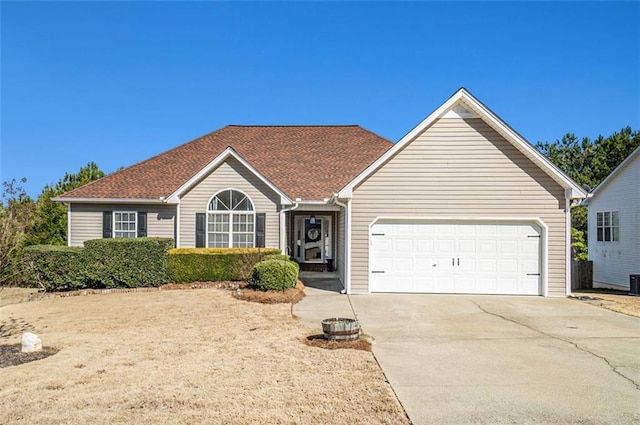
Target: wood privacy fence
581,275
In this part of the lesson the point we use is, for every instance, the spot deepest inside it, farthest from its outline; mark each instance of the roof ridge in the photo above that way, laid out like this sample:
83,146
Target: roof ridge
293,125
375,134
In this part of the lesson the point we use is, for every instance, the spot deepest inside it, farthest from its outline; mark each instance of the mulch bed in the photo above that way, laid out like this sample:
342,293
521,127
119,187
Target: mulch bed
290,296
319,341
241,290
10,355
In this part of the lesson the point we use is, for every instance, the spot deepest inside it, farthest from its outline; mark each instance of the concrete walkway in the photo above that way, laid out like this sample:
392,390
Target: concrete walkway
494,360
323,300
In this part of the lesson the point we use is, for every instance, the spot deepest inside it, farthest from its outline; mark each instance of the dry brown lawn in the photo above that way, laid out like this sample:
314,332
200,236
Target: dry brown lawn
10,295
183,357
619,301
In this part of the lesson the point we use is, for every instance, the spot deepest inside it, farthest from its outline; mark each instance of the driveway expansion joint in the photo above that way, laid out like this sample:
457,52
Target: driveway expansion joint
613,368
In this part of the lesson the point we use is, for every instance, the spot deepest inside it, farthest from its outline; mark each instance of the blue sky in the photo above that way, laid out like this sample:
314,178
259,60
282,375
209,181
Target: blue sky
118,82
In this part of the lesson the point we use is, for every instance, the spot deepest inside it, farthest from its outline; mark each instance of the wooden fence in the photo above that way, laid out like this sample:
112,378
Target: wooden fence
581,275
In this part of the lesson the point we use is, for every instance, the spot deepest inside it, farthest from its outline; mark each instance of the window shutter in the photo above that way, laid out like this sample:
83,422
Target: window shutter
260,222
107,226
201,223
142,224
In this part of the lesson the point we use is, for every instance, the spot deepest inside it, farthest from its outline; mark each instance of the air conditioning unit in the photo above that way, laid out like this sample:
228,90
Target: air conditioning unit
634,284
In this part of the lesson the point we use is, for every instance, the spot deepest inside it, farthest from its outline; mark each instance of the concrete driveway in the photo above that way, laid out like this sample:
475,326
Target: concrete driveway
490,359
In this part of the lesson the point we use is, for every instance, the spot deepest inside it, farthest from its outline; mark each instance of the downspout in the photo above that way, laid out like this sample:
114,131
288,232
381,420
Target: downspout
567,217
176,227
69,224
283,242
347,248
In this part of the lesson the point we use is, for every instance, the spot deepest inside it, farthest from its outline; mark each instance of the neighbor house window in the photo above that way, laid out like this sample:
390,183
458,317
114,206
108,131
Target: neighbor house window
124,224
607,226
230,221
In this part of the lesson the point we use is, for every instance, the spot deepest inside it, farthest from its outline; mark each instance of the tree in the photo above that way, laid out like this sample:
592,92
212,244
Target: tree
17,212
51,226
588,163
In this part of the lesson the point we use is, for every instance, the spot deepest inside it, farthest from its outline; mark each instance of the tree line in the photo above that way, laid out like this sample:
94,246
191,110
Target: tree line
25,221
588,162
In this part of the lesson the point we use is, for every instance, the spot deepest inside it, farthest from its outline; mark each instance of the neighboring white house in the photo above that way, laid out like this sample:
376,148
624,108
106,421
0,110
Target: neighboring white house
614,225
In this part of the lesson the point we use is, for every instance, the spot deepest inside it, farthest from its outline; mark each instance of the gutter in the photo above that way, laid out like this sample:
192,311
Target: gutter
113,200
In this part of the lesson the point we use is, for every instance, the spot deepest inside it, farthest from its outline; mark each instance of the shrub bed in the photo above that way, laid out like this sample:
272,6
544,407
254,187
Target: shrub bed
102,263
214,264
275,275
127,262
54,268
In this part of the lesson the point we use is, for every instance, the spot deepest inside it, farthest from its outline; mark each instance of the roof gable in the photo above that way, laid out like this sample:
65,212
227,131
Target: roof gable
633,156
229,152
463,105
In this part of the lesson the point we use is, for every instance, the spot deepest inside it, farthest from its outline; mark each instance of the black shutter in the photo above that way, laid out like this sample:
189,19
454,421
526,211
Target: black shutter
142,224
201,223
107,226
260,221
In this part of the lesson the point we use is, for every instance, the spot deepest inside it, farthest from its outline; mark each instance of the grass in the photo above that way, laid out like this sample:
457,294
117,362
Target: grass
611,299
183,357
11,295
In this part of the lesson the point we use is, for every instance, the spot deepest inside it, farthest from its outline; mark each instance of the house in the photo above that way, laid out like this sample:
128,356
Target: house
461,204
614,225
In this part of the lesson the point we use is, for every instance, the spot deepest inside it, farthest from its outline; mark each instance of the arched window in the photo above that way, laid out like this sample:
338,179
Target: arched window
230,220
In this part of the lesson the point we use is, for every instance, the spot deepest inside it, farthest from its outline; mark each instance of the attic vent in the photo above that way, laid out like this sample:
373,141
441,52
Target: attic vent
460,111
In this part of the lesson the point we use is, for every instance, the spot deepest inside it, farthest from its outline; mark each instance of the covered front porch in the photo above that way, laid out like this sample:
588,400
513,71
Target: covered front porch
312,236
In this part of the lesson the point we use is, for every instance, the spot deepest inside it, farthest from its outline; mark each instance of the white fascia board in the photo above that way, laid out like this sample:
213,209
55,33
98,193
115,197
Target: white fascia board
576,192
494,121
347,191
228,152
613,174
111,201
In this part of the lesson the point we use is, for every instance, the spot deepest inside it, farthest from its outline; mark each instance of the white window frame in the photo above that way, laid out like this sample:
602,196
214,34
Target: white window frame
608,226
135,224
230,214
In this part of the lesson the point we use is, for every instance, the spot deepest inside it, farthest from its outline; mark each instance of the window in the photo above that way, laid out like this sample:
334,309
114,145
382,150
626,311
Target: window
124,224
607,226
230,221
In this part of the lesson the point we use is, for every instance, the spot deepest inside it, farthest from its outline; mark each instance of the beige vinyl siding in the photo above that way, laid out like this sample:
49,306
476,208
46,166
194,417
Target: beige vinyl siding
229,175
459,167
340,244
86,220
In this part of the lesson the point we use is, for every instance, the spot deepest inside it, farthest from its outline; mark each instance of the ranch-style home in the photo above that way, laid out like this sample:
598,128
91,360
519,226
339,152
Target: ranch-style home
461,204
614,225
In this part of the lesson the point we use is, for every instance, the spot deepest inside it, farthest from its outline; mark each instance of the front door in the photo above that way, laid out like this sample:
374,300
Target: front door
312,244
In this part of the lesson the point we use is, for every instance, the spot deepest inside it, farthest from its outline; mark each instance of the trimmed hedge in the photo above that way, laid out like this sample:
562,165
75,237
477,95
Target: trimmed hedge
275,275
280,257
127,262
214,264
54,267
102,263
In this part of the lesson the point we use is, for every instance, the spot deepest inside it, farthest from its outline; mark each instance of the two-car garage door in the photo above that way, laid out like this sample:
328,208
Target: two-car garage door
459,257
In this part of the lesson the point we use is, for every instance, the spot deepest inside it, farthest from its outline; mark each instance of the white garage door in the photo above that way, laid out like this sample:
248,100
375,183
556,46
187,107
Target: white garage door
459,258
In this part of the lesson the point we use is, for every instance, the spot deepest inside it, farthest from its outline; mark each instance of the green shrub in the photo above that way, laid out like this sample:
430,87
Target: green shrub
275,275
214,264
280,257
127,262
54,268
